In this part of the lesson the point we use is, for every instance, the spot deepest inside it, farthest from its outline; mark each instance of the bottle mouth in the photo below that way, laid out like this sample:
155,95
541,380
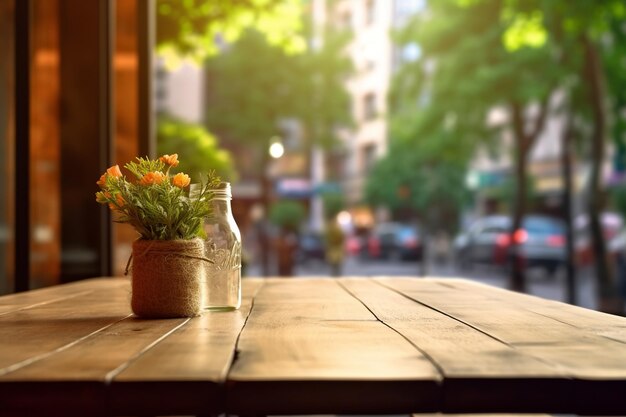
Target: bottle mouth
223,190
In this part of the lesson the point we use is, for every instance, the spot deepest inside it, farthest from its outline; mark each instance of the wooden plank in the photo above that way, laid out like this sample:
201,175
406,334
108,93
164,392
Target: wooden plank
480,415
596,322
310,347
30,334
469,359
597,365
73,381
29,299
185,372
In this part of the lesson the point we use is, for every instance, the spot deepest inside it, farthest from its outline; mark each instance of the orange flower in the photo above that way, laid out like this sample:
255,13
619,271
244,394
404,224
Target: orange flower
102,181
171,160
119,200
114,171
154,177
181,180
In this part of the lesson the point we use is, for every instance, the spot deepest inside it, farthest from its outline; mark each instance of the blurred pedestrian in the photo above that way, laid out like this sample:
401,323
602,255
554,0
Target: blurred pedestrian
334,244
286,247
441,248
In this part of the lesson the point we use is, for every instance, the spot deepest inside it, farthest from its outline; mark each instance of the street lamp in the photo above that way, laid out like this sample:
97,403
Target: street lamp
276,149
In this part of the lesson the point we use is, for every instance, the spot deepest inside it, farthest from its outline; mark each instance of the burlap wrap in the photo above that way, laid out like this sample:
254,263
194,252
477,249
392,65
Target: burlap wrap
166,278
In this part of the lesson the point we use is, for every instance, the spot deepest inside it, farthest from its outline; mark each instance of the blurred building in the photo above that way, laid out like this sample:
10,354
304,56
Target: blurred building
374,57
177,91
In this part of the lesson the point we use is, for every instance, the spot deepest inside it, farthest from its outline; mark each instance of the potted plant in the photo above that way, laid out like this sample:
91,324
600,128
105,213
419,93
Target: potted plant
168,257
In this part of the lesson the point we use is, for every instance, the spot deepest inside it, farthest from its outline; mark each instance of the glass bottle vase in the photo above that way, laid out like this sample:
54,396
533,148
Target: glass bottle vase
222,246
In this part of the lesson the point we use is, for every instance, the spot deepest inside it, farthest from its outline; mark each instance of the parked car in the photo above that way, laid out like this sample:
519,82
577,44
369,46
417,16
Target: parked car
541,242
611,223
617,254
394,241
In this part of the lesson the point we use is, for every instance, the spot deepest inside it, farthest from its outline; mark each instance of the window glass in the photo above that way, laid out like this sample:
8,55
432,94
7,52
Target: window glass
543,226
369,106
45,157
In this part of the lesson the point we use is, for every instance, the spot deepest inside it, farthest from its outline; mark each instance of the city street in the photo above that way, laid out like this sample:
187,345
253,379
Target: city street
538,283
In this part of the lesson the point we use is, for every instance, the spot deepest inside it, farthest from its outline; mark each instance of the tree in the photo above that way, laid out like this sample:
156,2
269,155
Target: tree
422,174
254,85
197,29
197,149
468,43
586,38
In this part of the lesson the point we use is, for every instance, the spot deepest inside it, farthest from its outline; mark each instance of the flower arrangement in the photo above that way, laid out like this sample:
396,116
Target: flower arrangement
157,204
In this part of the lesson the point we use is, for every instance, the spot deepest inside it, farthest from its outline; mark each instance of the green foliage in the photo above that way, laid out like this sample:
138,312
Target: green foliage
156,204
476,55
195,29
323,104
613,53
505,192
618,196
333,204
254,85
198,149
287,214
424,174
250,90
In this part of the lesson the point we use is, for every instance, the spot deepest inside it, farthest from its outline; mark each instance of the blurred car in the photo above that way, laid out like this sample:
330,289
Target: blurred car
394,241
310,248
617,254
611,223
540,241
354,245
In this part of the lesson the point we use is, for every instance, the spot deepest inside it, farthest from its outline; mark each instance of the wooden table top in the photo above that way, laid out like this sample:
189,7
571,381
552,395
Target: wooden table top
311,346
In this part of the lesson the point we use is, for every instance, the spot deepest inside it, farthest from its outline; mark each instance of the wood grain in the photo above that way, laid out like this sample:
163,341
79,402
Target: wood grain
31,336
573,350
470,360
310,347
607,325
75,378
369,346
185,372
29,299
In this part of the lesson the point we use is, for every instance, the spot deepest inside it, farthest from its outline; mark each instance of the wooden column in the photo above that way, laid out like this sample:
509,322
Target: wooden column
86,108
22,144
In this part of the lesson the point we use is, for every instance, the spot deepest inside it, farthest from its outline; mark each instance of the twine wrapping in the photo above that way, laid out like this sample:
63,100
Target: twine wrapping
167,277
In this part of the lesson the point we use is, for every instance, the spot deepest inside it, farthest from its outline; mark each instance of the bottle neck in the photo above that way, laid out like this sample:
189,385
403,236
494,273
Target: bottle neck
221,207
221,200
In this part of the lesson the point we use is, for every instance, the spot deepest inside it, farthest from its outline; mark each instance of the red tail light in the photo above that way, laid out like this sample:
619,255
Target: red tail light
555,240
503,240
520,236
374,246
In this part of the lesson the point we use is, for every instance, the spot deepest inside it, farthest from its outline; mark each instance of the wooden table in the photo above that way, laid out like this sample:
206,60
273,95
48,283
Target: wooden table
311,346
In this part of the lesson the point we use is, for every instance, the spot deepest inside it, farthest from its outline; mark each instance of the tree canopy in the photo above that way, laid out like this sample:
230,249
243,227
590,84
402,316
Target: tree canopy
254,85
197,148
198,29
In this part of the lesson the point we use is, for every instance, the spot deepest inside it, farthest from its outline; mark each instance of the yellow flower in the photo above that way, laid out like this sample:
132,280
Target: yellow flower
171,160
181,180
154,177
114,171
